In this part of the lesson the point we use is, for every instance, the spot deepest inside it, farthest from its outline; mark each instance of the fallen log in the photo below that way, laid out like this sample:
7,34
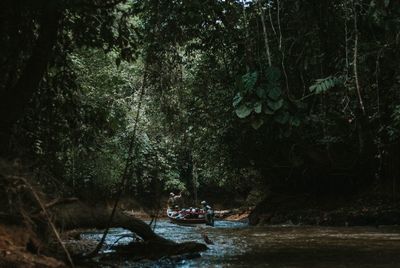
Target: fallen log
81,216
78,215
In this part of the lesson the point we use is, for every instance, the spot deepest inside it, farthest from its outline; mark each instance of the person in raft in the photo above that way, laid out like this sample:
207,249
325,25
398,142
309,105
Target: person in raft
209,213
174,201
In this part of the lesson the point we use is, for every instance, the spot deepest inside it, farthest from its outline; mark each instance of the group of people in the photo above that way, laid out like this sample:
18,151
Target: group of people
175,203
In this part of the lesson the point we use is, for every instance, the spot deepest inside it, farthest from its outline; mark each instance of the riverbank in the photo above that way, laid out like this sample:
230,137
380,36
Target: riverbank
237,214
20,247
221,211
276,209
17,249
367,210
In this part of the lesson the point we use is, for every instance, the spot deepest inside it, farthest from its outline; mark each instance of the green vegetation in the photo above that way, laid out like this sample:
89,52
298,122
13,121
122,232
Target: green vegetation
227,97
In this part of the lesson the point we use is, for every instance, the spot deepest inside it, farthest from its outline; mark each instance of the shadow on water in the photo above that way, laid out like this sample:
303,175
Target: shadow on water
238,245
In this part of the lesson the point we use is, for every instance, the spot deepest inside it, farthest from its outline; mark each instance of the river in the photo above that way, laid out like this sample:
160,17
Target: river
239,245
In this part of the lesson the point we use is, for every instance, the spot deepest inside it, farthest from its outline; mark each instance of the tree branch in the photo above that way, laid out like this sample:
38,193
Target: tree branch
360,100
267,50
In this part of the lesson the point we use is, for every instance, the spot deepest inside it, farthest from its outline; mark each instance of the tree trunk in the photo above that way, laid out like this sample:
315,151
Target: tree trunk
78,215
14,100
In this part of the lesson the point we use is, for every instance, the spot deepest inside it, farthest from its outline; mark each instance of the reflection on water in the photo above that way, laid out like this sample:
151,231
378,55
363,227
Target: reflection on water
237,245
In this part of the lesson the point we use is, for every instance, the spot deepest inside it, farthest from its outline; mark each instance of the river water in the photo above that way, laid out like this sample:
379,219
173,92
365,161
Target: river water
239,245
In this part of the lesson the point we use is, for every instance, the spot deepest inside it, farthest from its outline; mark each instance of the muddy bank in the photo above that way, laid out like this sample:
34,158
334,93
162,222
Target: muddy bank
302,210
20,247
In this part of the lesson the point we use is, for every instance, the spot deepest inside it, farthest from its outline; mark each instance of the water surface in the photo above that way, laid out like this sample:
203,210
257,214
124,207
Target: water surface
239,245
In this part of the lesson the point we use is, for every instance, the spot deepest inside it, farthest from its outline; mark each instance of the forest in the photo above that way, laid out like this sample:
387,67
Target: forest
283,111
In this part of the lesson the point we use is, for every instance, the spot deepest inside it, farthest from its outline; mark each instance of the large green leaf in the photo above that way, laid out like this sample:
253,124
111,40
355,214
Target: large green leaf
261,92
249,80
324,84
243,111
267,110
274,93
237,99
275,105
313,87
258,107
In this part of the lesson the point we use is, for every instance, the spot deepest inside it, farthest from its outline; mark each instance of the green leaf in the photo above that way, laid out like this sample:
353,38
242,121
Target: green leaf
258,107
256,123
321,85
249,80
274,93
268,111
295,121
387,3
261,93
313,88
320,88
243,111
237,99
275,105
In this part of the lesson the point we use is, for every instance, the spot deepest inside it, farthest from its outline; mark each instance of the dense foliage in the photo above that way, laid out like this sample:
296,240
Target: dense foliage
227,96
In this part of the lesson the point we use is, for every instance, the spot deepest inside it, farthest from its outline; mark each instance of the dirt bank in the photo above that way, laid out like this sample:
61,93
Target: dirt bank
19,247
